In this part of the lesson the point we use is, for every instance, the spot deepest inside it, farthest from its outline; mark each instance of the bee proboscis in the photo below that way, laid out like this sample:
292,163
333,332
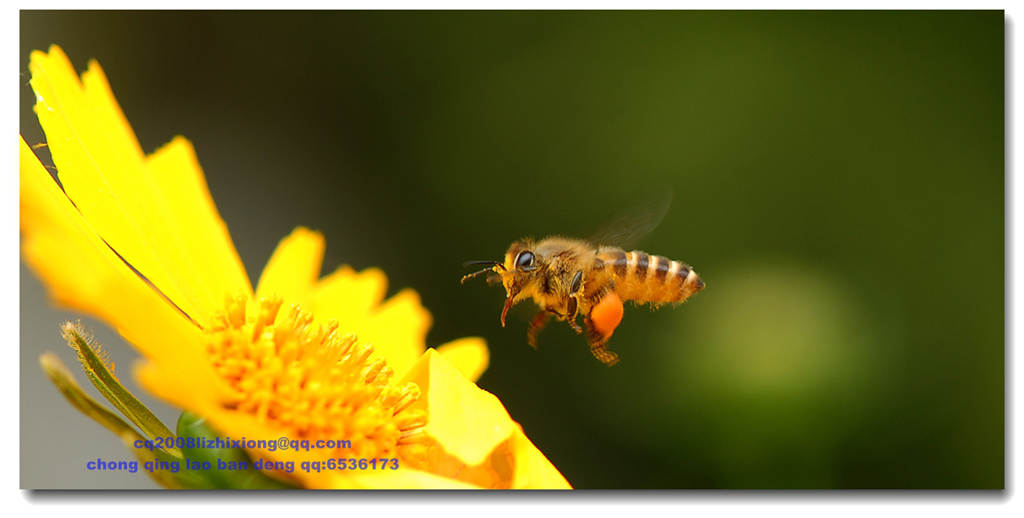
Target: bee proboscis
568,277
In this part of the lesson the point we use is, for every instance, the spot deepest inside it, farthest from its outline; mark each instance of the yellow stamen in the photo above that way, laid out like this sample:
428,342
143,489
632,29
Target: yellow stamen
310,381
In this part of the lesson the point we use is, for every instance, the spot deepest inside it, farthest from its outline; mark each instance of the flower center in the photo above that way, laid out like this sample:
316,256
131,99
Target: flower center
310,381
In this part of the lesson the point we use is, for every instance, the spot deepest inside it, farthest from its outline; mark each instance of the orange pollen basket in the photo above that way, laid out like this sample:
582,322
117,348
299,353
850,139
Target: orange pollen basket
607,314
311,382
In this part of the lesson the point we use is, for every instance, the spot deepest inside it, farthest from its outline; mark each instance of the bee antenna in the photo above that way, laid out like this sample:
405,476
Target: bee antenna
490,268
489,263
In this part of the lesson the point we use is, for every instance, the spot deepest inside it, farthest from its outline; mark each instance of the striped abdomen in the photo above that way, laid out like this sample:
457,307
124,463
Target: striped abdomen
650,278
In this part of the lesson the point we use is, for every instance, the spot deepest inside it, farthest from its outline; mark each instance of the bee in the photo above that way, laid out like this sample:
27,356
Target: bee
568,277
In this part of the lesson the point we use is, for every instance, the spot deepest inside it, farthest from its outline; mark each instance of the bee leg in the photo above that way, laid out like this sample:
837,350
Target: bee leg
597,345
536,325
572,313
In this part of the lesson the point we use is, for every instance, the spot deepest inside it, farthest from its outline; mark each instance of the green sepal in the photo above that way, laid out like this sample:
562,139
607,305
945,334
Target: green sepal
104,380
193,430
71,391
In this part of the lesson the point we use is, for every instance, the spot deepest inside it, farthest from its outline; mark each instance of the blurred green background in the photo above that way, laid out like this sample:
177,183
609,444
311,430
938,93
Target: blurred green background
838,179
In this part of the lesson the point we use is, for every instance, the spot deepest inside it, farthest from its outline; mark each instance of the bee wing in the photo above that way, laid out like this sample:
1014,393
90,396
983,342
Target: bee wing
632,225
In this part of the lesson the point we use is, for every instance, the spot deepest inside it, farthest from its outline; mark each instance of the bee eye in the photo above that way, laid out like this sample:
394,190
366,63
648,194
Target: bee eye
525,260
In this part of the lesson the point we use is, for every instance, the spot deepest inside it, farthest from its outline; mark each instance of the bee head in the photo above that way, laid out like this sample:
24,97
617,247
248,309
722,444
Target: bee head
517,272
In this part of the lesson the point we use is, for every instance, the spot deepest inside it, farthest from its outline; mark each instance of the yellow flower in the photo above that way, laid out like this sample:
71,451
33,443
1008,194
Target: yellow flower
136,241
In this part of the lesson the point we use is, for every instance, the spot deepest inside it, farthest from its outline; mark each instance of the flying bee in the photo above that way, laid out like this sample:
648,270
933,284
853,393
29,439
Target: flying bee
568,277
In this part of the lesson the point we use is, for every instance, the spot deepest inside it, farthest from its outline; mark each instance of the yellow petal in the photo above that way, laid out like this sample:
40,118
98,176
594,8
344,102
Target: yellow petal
211,261
402,478
294,267
347,296
105,173
532,469
466,421
397,330
469,355
175,385
81,272
471,436
514,464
